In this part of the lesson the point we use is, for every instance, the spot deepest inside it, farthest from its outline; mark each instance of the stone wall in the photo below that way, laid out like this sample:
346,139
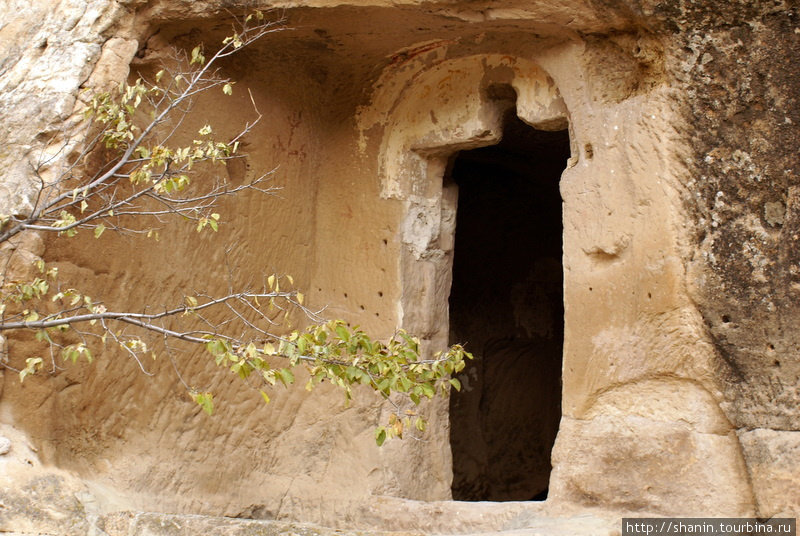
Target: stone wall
680,367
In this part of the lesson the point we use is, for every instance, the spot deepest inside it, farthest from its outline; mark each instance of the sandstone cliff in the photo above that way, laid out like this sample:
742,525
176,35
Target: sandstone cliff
680,259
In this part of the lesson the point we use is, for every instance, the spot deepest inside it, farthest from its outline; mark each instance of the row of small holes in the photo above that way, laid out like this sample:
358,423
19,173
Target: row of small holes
380,292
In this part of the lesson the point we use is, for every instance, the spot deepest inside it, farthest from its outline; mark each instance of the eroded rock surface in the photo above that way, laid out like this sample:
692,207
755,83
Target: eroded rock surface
679,262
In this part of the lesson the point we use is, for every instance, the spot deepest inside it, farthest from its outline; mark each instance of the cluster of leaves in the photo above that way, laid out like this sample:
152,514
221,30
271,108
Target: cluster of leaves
146,177
42,306
331,351
346,356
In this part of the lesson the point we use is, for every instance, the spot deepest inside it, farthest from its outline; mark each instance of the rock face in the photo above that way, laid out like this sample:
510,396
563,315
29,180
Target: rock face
48,53
675,330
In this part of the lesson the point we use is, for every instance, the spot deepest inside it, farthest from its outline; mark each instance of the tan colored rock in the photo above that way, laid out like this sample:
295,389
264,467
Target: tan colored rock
19,255
639,465
646,446
772,458
150,524
680,223
48,52
113,64
37,499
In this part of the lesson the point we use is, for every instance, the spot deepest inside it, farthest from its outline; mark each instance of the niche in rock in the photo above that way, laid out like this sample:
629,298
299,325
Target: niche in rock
507,305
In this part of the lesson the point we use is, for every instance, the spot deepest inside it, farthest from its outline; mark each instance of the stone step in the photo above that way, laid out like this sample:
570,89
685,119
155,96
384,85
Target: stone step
156,524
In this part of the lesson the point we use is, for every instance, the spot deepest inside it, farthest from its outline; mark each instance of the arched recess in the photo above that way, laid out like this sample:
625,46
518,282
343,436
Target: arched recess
449,107
454,105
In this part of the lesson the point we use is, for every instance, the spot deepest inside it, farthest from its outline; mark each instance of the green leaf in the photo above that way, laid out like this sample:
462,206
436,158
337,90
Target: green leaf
420,424
286,376
352,373
99,230
380,435
236,368
342,332
69,353
227,89
405,384
215,347
455,383
383,385
204,400
265,397
42,336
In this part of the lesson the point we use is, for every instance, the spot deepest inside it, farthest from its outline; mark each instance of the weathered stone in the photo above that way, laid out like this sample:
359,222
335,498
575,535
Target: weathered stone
645,446
148,524
47,52
680,256
35,499
635,464
773,461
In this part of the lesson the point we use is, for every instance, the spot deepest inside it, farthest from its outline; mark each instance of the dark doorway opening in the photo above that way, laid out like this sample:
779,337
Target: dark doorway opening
507,305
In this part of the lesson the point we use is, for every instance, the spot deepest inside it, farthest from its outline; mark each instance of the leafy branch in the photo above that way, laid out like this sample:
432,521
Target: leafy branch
143,179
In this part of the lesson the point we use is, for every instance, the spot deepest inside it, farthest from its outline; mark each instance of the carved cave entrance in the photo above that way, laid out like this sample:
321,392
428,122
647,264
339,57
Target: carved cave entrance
506,304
